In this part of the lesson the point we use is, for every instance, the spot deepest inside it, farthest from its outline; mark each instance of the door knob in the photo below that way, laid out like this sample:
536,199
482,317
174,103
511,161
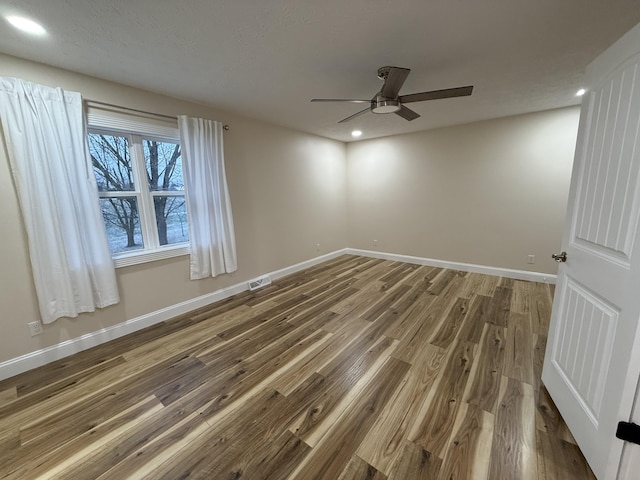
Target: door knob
560,257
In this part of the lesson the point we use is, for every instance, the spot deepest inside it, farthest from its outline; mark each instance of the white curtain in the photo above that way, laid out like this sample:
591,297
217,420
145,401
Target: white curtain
45,136
211,234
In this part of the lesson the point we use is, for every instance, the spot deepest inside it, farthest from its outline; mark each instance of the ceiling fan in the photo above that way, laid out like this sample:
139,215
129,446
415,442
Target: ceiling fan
387,99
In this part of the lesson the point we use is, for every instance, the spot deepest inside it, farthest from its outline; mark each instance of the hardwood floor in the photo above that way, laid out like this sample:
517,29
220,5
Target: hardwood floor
355,369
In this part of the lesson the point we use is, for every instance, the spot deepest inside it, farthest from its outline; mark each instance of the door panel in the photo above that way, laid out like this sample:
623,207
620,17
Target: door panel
587,334
591,366
606,215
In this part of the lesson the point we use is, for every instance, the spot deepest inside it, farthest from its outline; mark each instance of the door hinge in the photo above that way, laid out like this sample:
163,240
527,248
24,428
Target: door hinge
629,432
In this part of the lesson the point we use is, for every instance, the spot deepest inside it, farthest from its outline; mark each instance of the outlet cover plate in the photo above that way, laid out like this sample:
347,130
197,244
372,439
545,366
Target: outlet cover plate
35,328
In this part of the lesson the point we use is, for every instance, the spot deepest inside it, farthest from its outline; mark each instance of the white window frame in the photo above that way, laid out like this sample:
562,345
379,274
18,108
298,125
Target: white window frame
136,128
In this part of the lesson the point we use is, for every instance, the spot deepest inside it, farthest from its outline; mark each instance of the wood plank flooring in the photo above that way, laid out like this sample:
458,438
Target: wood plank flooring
357,368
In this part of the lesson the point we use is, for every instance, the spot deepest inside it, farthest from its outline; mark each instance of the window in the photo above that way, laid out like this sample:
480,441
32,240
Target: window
141,189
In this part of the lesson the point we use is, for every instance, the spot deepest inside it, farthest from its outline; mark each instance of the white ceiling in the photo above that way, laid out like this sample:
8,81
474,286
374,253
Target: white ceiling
267,58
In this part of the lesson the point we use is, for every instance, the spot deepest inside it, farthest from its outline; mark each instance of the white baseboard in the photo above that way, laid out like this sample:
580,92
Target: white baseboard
50,354
465,267
283,272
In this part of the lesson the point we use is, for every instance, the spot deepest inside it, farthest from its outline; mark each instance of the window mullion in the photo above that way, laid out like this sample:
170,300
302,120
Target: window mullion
147,211
168,193
118,194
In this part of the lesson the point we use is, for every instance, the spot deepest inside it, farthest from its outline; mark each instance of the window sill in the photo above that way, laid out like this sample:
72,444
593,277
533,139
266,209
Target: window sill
144,256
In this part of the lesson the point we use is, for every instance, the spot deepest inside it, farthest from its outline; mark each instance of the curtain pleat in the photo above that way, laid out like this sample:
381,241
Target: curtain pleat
45,134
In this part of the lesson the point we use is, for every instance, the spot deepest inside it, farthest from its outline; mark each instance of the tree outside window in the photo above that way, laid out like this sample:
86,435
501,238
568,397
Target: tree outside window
141,190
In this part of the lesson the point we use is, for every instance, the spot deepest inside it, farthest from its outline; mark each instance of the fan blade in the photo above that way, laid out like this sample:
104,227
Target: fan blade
394,81
407,113
350,100
351,117
436,94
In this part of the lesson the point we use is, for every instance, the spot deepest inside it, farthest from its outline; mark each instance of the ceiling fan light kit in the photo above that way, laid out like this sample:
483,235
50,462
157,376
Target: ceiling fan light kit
387,99
382,105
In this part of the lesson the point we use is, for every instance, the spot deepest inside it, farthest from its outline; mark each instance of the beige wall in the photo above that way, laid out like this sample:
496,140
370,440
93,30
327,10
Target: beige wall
288,192
487,193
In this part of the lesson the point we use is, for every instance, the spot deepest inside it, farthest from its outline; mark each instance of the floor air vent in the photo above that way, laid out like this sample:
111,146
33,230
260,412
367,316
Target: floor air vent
259,282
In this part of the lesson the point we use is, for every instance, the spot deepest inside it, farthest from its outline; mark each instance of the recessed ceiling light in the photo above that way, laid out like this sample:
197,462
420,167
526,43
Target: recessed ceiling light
356,133
26,25
580,92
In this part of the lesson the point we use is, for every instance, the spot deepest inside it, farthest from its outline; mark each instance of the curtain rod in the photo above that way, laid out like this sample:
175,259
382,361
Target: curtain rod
172,117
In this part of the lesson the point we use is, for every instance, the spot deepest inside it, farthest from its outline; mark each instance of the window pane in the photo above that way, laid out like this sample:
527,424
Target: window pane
111,162
171,218
164,165
123,223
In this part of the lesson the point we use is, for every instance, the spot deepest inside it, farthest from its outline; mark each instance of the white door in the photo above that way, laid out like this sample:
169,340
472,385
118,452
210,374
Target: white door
592,361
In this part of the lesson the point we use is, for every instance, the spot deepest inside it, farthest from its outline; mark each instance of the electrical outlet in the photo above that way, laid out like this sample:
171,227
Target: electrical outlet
531,259
375,243
35,328
317,247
